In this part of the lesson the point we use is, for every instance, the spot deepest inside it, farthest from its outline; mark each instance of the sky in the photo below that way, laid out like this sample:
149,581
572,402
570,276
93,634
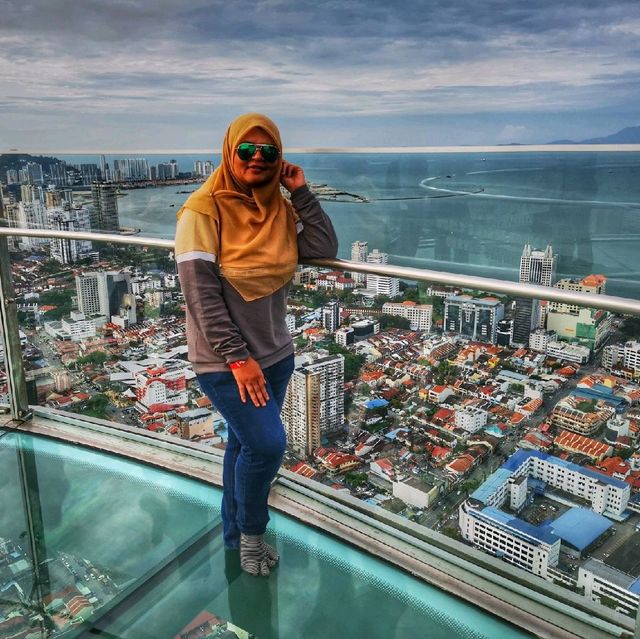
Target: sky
134,75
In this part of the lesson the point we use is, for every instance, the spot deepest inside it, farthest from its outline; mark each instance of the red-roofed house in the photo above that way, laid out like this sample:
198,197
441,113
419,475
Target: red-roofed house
574,443
302,468
438,394
460,466
383,468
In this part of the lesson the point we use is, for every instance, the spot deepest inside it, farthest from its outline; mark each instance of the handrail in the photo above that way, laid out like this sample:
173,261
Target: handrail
590,300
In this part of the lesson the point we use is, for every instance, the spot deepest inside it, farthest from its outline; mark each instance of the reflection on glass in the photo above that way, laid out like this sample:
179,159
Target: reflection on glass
79,528
131,551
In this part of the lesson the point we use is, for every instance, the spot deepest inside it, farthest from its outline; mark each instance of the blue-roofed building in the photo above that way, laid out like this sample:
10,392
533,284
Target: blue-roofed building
608,397
601,580
372,404
537,548
534,548
607,495
579,528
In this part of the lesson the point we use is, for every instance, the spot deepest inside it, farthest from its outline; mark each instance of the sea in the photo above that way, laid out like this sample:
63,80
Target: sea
468,211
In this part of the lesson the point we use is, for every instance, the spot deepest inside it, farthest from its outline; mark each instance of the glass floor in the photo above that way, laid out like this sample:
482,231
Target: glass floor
94,545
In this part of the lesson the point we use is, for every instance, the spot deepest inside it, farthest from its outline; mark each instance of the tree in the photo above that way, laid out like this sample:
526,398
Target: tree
97,358
96,406
411,294
393,321
352,362
355,479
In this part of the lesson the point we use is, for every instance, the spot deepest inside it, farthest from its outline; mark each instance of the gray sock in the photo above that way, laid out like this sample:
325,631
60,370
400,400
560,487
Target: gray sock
253,555
271,554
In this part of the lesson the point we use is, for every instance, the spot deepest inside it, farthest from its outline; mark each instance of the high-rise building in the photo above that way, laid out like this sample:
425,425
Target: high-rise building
34,173
419,315
167,170
104,169
314,403
58,174
359,252
32,215
12,177
90,173
585,326
131,169
623,359
331,316
66,218
589,284
106,293
382,284
104,215
52,197
474,318
536,267
504,333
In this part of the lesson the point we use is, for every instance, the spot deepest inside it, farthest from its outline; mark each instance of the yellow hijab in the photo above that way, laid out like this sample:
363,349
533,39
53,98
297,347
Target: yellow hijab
258,250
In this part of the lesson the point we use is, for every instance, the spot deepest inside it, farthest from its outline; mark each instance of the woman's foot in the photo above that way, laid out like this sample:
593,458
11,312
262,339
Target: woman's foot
256,557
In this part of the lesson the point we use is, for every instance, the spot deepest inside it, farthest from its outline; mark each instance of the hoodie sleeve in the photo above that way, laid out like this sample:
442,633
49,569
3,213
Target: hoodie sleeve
317,237
197,247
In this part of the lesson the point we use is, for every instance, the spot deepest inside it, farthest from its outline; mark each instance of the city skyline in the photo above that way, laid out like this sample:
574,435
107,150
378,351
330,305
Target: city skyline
356,74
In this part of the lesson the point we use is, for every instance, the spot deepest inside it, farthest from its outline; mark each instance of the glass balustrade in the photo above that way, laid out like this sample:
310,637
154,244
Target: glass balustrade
433,414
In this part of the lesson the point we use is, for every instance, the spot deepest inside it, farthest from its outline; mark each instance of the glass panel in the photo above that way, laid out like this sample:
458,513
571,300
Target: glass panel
100,524
467,212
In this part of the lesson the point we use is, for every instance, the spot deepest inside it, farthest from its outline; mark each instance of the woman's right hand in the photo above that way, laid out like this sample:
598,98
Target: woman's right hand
250,380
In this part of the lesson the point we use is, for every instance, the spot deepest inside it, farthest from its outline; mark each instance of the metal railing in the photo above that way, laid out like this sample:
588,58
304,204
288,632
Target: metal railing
8,310
13,357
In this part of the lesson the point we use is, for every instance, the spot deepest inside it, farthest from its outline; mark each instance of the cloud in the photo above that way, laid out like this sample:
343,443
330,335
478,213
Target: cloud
97,62
513,133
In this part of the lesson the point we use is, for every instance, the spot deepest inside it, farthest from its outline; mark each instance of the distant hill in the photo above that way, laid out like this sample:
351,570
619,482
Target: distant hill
628,135
18,160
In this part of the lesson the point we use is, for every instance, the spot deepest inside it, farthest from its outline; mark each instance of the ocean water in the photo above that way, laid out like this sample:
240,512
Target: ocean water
465,212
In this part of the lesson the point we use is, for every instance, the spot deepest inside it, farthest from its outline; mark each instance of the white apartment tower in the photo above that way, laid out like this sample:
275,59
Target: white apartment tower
331,316
382,284
538,267
314,403
359,252
69,219
32,215
106,293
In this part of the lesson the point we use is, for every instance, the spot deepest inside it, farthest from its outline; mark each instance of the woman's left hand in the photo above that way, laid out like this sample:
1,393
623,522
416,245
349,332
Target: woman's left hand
291,176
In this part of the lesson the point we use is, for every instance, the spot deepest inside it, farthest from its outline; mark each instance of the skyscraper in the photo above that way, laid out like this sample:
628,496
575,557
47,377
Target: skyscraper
382,284
474,318
359,251
314,403
69,219
331,316
106,293
536,267
104,216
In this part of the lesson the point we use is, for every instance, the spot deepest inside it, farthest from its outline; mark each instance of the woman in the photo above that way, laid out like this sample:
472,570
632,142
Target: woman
238,242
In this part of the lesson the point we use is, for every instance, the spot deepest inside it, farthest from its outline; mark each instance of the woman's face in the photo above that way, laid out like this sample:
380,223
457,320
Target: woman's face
254,172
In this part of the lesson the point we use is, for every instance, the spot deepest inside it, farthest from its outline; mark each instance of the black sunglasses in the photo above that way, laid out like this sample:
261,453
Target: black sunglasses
247,150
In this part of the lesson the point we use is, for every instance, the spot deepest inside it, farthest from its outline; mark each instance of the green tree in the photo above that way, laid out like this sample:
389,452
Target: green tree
97,358
355,479
393,321
96,406
411,294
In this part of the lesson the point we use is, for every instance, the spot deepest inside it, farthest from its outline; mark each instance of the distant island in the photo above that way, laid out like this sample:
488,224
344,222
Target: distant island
628,135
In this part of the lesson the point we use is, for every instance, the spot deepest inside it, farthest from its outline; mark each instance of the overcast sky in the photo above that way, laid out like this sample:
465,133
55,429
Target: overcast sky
148,74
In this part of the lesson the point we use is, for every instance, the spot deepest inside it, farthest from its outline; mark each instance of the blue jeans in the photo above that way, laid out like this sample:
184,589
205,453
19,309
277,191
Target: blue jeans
254,451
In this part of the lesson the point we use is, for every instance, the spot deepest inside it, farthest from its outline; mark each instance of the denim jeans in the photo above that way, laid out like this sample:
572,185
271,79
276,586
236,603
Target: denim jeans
254,451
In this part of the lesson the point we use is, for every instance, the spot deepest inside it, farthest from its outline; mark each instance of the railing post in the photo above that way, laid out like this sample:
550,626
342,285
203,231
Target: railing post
10,333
